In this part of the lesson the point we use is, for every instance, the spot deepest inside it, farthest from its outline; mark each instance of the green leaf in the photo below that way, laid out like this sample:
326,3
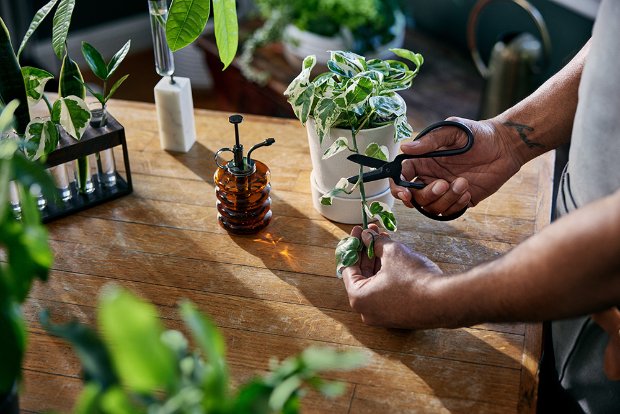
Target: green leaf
337,146
114,87
346,64
402,129
358,91
303,104
74,115
383,213
213,347
60,28
283,392
226,29
117,59
6,117
95,61
326,113
90,349
44,134
340,188
318,359
300,91
89,400
186,21
98,95
377,151
347,253
71,81
131,331
35,80
13,343
388,106
415,58
39,16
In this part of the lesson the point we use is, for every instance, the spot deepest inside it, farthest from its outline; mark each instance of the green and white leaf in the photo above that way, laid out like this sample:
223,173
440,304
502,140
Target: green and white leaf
118,58
388,106
416,58
73,114
346,64
39,16
358,91
402,129
326,113
35,80
339,145
342,187
6,116
380,152
382,212
186,21
60,27
44,135
300,91
347,253
226,29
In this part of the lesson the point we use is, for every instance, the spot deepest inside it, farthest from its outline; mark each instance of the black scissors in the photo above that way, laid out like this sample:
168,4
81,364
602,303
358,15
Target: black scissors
393,169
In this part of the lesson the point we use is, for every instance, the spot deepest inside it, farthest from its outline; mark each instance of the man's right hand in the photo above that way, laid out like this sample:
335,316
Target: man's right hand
462,180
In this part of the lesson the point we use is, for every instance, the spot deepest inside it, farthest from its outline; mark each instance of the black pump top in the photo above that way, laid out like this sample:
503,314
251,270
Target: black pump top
240,165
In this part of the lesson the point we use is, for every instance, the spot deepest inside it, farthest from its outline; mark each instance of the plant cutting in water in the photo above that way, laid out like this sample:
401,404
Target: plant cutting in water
104,72
355,94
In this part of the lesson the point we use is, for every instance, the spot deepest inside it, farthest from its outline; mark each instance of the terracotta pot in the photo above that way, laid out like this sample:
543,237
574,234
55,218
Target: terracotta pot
326,173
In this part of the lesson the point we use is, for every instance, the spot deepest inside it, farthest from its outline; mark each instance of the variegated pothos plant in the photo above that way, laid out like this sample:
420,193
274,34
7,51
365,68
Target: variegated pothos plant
355,94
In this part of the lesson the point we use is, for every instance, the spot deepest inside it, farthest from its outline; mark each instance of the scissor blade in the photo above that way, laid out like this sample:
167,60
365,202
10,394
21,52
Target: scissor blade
366,161
369,176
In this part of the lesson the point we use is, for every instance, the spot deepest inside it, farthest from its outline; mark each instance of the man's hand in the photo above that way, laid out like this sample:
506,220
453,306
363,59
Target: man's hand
392,288
609,320
467,179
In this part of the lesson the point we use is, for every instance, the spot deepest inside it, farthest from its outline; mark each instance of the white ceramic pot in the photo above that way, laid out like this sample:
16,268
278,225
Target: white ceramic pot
299,43
326,173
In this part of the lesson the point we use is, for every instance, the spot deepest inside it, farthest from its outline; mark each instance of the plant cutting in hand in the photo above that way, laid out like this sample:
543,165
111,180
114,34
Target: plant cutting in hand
355,94
137,366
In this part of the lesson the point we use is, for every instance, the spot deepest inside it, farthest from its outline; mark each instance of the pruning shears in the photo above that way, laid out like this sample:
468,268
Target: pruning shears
393,169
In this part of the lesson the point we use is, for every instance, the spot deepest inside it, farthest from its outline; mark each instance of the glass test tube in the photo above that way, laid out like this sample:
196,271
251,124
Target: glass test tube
164,61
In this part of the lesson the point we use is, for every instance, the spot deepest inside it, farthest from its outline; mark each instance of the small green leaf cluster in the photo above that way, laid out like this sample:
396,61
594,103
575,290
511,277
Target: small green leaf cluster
104,71
355,94
136,366
25,245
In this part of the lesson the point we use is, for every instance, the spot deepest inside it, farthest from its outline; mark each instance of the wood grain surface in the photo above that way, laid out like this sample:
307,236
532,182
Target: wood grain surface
275,293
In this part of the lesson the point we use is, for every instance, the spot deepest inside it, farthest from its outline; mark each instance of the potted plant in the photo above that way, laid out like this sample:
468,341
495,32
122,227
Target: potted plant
137,366
27,256
354,108
314,27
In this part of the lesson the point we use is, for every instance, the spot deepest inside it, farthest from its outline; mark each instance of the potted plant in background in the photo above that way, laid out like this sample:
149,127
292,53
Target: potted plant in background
27,256
137,366
314,27
354,107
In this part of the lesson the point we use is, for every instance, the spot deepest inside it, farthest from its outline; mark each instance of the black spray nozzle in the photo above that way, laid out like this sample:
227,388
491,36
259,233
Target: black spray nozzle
265,143
238,148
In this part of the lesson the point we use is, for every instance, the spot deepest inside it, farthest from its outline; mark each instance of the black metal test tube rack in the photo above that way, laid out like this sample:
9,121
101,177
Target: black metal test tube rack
69,149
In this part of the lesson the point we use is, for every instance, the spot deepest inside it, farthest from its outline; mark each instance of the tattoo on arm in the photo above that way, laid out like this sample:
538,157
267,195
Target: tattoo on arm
523,130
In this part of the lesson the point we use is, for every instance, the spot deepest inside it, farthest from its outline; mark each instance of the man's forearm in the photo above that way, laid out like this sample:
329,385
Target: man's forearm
570,268
544,120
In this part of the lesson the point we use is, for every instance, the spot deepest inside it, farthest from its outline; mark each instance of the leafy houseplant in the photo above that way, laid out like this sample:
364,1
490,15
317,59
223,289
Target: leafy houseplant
136,366
27,256
316,26
355,94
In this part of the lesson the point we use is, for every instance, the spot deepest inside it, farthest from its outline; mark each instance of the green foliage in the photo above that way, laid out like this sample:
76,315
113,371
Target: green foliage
103,70
11,81
187,20
347,253
27,254
136,366
60,26
355,93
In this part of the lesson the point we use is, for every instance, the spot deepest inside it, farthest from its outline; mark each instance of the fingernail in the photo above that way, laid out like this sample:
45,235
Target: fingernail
440,188
459,186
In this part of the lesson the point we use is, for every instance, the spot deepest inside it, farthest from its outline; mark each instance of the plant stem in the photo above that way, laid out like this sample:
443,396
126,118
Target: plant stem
361,182
47,102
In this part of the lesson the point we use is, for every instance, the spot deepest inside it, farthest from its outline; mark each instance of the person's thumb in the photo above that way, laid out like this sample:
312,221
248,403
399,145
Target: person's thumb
377,240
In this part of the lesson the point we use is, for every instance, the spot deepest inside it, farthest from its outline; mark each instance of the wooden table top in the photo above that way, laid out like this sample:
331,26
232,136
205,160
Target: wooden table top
276,293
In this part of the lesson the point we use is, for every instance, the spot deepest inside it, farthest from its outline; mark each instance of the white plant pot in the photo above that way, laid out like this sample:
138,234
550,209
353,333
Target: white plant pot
326,173
299,43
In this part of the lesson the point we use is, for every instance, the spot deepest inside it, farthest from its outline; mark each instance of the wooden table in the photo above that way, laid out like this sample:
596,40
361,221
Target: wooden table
275,293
